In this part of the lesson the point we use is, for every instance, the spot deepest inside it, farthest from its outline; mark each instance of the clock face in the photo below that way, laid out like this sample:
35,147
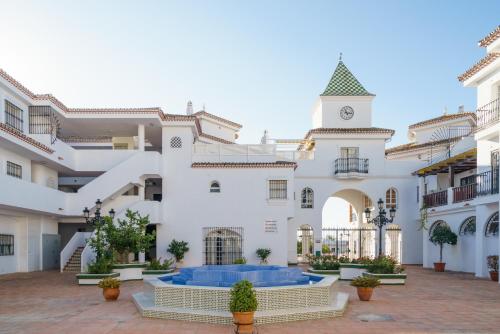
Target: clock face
347,112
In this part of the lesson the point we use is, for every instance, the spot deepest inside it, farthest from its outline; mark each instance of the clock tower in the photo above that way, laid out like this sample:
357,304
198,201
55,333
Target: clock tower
345,103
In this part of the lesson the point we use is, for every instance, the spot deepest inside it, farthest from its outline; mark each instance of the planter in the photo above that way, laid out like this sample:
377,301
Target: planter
243,322
389,279
348,271
364,294
323,272
494,276
93,279
111,294
155,273
439,266
129,271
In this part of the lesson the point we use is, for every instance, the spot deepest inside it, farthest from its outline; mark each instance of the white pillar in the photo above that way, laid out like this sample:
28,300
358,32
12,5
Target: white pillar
141,136
480,259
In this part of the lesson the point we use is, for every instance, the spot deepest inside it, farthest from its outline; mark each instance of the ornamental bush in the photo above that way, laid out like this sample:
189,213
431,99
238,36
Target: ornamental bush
243,297
101,265
441,235
109,283
492,263
240,260
324,262
365,282
178,249
156,264
384,265
263,254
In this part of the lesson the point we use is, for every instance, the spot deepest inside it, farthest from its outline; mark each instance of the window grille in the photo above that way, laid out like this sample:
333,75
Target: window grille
492,226
222,245
14,170
277,189
215,187
468,227
391,198
307,198
6,244
368,202
13,116
176,142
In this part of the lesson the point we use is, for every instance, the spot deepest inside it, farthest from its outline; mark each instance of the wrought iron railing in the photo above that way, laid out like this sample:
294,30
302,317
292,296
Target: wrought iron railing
464,193
439,198
487,183
488,114
351,165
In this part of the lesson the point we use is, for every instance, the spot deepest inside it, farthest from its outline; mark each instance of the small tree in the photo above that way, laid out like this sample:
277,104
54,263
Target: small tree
263,254
442,235
178,249
243,297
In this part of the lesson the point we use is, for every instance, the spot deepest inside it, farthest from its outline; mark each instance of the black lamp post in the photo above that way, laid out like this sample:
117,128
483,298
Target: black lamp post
380,220
97,221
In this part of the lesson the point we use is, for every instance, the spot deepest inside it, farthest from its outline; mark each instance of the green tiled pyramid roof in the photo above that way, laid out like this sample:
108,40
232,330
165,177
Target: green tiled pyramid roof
344,83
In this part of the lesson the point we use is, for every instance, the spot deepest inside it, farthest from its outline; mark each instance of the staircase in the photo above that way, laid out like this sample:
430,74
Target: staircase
73,265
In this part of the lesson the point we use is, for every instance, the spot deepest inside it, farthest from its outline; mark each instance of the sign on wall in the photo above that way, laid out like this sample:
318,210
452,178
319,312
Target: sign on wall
271,226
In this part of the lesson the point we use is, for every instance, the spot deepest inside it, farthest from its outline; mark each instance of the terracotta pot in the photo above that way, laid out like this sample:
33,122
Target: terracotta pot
365,294
111,293
243,322
494,276
439,266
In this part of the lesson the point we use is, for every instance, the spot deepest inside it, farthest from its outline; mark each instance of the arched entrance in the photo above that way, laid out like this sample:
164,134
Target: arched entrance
305,242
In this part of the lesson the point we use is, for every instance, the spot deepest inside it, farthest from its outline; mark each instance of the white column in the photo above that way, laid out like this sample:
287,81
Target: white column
480,258
141,136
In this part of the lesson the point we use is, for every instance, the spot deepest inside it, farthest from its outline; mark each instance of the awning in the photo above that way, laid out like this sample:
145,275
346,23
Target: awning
460,163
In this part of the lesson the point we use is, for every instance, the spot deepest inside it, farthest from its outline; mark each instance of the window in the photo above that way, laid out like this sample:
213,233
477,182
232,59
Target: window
307,198
367,202
6,244
215,187
468,226
391,198
349,152
120,146
13,116
14,170
467,180
492,226
277,189
176,142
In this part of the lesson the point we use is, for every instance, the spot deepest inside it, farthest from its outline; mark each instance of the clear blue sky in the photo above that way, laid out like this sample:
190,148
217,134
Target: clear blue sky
259,63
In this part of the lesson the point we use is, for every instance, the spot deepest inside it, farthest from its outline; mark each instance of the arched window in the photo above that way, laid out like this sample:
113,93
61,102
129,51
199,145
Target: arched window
468,226
307,198
176,142
214,187
492,225
436,224
391,200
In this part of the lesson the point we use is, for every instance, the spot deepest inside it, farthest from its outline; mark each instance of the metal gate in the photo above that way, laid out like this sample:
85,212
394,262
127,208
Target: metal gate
222,245
349,242
393,242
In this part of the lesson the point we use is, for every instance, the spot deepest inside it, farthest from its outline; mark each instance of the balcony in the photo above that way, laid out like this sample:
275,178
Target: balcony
487,183
464,193
488,114
351,167
439,198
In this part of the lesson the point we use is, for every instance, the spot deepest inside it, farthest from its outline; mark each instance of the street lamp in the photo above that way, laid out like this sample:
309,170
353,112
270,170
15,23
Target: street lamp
97,221
380,220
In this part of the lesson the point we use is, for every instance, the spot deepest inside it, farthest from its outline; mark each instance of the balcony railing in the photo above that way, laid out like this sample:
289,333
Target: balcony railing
487,183
464,193
351,165
488,114
436,199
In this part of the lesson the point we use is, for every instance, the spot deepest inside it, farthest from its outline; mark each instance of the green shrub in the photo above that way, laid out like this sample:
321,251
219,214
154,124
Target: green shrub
344,259
156,264
178,249
102,265
325,249
384,265
324,262
109,283
362,260
365,282
263,254
243,297
442,235
241,260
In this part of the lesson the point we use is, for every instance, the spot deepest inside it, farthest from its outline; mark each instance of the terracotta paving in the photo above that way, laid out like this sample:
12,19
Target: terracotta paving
51,302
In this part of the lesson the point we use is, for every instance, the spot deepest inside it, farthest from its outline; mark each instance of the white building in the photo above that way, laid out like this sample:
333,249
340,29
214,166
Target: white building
225,199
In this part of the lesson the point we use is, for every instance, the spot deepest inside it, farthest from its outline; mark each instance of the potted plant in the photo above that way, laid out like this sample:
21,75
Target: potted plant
263,254
243,303
365,286
110,288
441,235
178,249
493,267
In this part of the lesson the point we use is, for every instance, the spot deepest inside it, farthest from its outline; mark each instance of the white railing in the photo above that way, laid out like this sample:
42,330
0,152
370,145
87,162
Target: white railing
88,255
77,240
295,155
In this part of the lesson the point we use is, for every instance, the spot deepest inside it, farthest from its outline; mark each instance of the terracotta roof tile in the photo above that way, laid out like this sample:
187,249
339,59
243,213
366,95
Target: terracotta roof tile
414,146
492,36
25,138
278,164
479,66
220,119
443,118
220,140
372,130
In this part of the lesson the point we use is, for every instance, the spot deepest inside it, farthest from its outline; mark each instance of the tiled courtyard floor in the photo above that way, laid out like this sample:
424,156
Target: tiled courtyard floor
51,302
